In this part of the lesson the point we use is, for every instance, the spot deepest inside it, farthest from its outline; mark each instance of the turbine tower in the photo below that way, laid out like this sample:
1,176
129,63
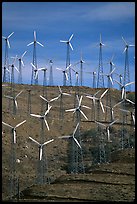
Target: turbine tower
34,78
75,151
68,55
126,70
21,63
6,75
51,73
100,80
12,159
42,177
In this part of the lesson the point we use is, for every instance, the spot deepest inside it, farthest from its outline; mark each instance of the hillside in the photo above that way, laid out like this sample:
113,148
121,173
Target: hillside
56,153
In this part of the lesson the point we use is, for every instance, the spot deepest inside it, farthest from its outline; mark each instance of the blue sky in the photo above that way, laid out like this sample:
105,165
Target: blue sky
55,21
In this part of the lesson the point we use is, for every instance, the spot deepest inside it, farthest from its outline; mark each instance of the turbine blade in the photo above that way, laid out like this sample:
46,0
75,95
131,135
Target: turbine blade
66,76
113,122
48,141
65,137
101,104
71,37
100,123
20,124
118,82
7,124
86,107
73,109
16,104
54,99
118,103
66,94
23,54
8,43
63,41
83,114
108,133
10,35
75,129
111,80
40,44
130,101
80,100
33,65
112,71
9,97
123,92
14,136
30,43
70,45
16,69
130,83
34,35
38,116
46,124
19,94
77,142
40,153
124,41
22,62
104,93
34,140
44,98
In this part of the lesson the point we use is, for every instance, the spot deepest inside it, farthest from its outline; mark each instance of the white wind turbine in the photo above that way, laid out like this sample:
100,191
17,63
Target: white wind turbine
41,146
72,136
107,128
36,70
65,73
43,117
126,70
14,99
6,63
123,87
99,99
78,108
109,76
35,80
35,41
123,100
61,93
69,45
7,39
20,67
49,101
131,112
14,129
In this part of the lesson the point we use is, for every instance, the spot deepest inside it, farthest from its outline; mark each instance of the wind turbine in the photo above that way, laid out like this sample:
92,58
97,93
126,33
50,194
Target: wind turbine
36,70
14,98
12,69
123,87
93,98
78,108
14,129
65,74
107,128
131,112
41,146
21,63
6,76
43,117
100,80
126,70
61,94
72,136
69,45
51,73
33,80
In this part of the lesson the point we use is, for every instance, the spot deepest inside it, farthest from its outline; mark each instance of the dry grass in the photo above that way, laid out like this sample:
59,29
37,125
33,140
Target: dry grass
94,185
